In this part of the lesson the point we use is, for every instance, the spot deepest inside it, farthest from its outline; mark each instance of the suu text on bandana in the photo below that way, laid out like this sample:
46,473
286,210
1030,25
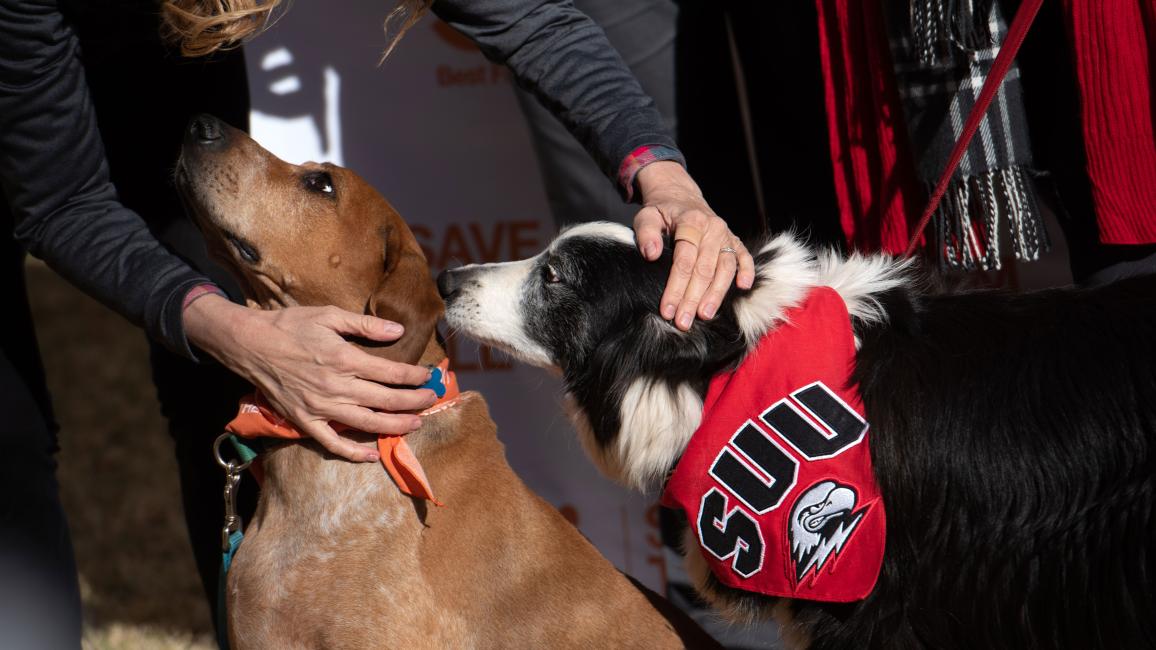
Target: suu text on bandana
776,483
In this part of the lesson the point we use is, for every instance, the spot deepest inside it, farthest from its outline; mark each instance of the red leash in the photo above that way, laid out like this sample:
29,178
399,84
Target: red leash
1025,15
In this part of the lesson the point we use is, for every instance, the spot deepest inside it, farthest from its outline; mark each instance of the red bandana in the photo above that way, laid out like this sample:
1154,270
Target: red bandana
777,482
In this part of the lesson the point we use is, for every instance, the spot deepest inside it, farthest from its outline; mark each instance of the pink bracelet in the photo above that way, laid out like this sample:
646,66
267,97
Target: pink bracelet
639,158
203,289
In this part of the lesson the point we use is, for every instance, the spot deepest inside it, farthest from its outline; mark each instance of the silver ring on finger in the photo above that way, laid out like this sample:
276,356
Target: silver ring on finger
728,249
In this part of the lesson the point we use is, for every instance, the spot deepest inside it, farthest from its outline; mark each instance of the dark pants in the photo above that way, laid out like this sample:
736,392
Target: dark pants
39,595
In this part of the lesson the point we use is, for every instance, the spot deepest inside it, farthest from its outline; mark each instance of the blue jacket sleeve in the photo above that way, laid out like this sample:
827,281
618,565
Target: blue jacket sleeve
560,55
55,178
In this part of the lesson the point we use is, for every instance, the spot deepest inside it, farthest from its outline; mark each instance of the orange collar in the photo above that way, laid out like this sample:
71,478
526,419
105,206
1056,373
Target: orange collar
256,419
444,383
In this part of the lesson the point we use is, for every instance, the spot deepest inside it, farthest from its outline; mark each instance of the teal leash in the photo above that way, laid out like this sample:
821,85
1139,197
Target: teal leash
222,612
231,533
245,451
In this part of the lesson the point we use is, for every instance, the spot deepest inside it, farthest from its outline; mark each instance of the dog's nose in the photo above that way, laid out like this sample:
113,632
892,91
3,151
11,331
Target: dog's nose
205,129
447,283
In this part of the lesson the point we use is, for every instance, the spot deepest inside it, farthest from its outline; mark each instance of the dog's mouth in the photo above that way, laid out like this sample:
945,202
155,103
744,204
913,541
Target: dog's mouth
183,180
244,248
246,251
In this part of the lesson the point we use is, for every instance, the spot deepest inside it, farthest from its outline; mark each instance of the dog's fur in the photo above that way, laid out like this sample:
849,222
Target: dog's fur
1012,434
336,556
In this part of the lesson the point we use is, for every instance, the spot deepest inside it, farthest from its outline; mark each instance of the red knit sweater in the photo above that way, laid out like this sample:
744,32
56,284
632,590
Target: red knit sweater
1112,42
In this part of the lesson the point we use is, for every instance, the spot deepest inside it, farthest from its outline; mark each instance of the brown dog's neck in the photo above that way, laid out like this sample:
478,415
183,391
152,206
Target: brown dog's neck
431,355
433,431
306,463
453,446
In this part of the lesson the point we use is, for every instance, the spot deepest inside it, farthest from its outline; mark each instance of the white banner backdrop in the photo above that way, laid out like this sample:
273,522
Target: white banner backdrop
437,131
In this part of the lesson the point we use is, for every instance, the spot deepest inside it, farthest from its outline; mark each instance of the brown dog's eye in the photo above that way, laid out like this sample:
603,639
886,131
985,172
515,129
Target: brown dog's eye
319,182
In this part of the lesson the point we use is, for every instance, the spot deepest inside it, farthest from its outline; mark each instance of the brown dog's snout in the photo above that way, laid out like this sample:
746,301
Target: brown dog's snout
205,130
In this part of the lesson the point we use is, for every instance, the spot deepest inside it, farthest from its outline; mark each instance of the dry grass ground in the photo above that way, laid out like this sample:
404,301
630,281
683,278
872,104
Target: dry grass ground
118,476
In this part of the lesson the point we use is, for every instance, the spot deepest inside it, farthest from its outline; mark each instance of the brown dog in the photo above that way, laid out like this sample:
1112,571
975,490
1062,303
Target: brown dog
336,556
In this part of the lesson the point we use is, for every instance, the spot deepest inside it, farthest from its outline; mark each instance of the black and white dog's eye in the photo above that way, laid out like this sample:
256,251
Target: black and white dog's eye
550,274
320,182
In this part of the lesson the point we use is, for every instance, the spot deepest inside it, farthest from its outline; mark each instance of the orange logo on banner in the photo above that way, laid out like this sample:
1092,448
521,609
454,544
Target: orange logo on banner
569,512
453,37
479,243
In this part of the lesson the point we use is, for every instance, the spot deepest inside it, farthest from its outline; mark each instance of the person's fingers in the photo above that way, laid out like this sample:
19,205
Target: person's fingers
687,232
363,325
703,273
685,254
363,419
648,227
361,364
376,396
746,274
724,273
336,445
687,236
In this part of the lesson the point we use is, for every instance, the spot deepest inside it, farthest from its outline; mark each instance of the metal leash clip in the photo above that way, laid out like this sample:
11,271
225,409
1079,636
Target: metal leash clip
233,472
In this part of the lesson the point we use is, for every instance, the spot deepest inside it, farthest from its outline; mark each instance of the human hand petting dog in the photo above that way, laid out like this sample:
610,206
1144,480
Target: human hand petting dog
309,374
707,255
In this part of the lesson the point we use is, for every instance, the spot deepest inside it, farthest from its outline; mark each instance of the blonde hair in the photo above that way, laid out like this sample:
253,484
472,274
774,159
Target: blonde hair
202,27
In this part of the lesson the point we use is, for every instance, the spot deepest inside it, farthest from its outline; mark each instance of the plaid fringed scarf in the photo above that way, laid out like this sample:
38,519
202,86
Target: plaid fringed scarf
942,51
937,54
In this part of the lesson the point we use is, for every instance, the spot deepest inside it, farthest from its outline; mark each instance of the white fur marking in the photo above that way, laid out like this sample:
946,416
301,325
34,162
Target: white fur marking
859,278
598,230
794,270
782,283
491,311
657,423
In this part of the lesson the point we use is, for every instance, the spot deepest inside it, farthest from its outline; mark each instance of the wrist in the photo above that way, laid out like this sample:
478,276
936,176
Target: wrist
208,320
641,158
664,174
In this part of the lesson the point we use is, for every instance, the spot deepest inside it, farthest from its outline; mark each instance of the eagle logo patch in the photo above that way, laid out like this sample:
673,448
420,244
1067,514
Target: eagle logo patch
822,520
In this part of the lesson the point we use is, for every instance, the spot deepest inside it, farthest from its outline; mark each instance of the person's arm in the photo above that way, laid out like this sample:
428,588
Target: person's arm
54,177
561,56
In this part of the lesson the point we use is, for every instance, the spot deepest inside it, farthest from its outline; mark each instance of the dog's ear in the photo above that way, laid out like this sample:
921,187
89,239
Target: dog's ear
406,294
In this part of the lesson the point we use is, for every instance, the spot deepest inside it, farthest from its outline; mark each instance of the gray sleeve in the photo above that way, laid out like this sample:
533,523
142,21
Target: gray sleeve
55,178
560,55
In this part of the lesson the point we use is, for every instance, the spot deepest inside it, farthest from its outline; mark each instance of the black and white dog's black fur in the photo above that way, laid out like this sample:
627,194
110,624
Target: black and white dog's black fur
1012,435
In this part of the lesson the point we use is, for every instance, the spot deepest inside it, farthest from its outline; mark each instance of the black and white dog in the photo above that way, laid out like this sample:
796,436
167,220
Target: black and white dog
1012,435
